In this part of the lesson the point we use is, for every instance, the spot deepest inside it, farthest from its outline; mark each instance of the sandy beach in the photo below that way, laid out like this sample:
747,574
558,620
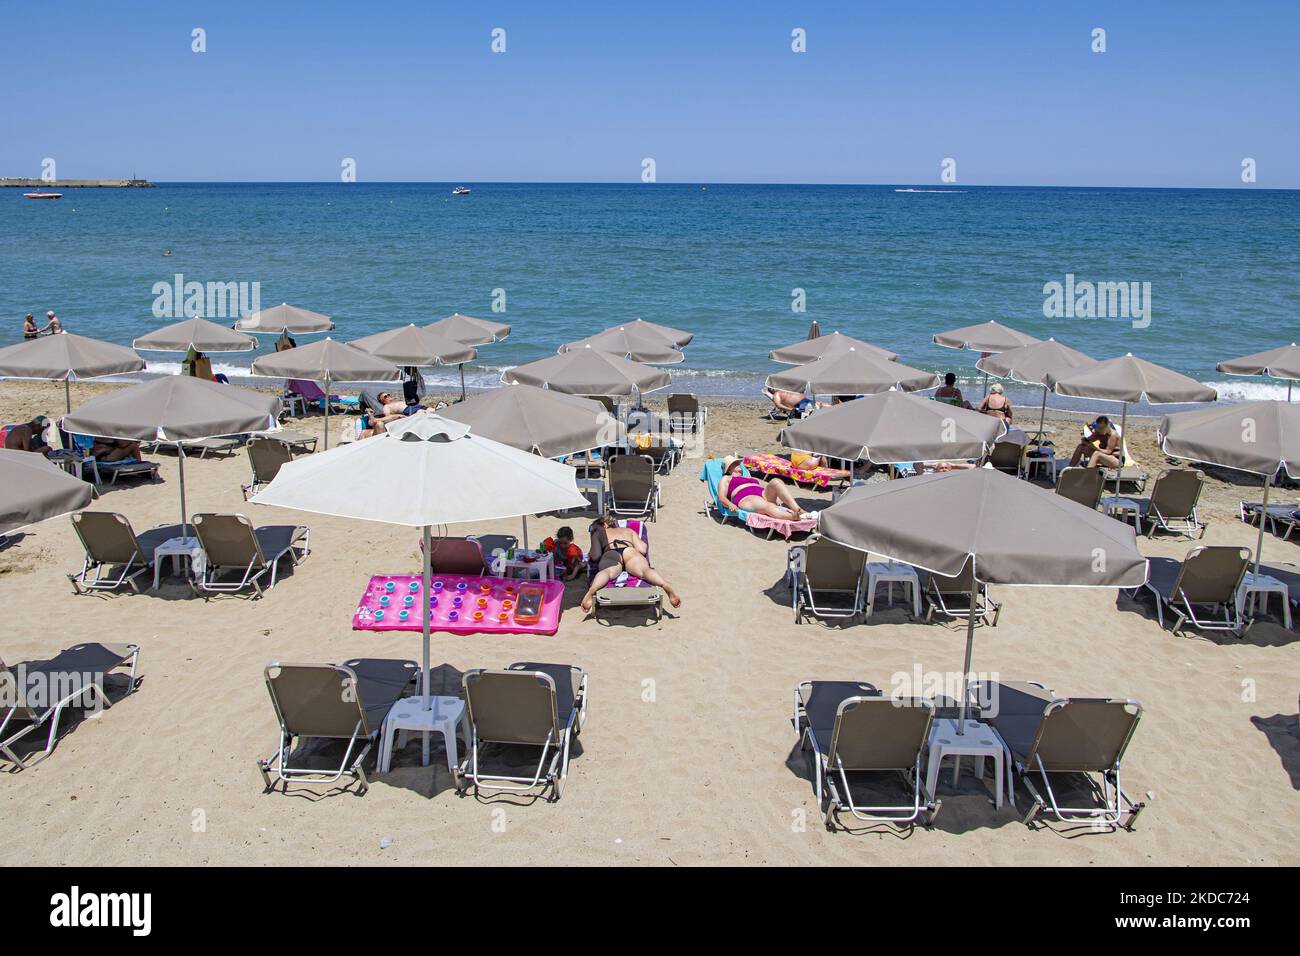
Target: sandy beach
688,756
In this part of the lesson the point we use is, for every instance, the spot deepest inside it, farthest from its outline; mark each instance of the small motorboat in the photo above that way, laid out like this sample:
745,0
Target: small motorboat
460,191
42,195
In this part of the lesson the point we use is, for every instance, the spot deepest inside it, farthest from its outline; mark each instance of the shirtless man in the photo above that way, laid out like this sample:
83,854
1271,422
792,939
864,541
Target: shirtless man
1105,452
29,437
54,326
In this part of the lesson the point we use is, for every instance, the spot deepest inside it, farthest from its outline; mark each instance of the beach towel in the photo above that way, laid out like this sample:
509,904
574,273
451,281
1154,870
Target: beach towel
712,475
769,464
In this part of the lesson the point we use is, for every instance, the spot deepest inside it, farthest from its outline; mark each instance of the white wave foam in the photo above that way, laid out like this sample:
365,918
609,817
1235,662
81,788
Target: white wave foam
1249,390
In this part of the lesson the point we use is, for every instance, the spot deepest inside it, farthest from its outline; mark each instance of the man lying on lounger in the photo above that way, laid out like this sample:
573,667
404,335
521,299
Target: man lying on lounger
1101,445
615,550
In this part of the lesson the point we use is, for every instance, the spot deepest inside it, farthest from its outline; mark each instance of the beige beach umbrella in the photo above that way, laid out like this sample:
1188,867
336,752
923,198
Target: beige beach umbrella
198,334
285,318
447,475
32,489
67,357
175,408
1262,438
468,330
537,420
1031,364
677,338
327,362
1006,531
893,428
987,337
633,344
821,346
851,373
413,346
1283,363
589,372
1129,379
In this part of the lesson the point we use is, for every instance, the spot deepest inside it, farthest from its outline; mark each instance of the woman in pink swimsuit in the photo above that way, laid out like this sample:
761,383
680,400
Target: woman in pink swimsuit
745,493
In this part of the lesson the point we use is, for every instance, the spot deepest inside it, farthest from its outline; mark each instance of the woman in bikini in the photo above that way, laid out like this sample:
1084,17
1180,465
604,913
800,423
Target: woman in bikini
996,404
738,492
616,550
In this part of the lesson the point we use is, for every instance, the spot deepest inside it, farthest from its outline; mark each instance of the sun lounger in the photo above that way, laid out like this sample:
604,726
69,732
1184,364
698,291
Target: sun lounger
202,447
1172,503
456,556
711,475
853,729
781,466
1131,473
685,413
826,579
45,689
1083,485
1285,514
633,488
1207,579
79,448
951,596
527,704
231,543
114,553
1009,457
627,591
330,702
265,457
1048,736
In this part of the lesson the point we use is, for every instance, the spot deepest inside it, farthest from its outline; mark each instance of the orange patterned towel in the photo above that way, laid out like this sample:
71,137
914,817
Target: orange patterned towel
769,464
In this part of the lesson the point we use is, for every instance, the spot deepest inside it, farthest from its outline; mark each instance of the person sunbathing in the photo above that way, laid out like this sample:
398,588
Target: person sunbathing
114,449
996,404
805,462
737,492
786,401
615,550
1101,446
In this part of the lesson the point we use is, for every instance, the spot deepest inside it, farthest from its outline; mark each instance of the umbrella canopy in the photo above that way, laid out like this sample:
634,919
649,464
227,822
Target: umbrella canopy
1006,530
1283,363
985,337
892,428
447,475
851,373
198,334
1031,364
32,488
821,346
634,344
1129,379
1258,437
175,408
468,330
677,338
285,318
537,420
66,357
327,362
589,372
411,345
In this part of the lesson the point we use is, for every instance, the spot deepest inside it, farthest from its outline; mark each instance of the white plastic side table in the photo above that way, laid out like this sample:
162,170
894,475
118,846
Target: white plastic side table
889,572
177,548
1265,585
1121,508
504,567
444,716
979,741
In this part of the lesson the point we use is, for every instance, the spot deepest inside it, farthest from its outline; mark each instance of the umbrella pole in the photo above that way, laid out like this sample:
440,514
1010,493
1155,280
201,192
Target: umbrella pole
326,400
67,394
462,381
1123,446
180,458
427,574
1042,417
970,646
525,517
1259,541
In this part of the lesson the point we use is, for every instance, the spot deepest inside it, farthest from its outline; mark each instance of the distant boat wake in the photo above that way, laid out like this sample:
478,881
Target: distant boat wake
929,190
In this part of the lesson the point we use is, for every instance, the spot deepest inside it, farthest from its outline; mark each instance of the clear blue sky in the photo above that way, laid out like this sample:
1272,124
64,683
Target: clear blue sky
711,91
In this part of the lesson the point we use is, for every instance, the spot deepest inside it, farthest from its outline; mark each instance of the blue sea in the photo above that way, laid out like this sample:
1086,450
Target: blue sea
890,264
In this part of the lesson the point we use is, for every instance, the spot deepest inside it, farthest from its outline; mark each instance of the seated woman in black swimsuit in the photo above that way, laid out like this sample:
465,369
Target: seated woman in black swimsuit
616,550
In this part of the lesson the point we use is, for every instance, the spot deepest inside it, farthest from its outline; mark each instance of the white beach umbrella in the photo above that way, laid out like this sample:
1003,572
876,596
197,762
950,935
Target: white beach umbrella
447,475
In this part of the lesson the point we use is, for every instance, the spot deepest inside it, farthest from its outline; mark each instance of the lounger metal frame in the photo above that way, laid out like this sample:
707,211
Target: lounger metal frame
55,713
551,774
1185,610
632,507
803,591
826,775
78,579
984,606
252,573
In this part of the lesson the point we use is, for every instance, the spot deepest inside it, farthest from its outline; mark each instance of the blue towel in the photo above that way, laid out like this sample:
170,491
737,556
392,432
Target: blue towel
712,473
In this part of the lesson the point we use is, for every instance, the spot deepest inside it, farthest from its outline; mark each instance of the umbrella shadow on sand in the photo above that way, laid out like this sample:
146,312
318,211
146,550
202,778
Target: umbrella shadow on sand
1283,734
406,771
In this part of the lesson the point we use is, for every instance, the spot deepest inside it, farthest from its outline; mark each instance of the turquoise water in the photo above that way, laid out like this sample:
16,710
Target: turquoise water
889,266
